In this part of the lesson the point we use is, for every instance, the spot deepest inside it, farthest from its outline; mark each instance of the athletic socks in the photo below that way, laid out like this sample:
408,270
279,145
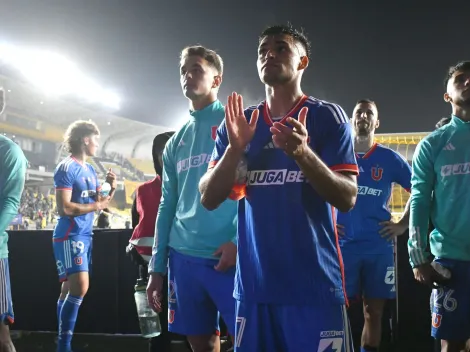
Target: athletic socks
68,317
60,303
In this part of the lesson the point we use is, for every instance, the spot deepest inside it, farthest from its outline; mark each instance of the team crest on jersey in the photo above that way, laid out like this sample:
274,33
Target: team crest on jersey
377,173
171,316
436,320
214,132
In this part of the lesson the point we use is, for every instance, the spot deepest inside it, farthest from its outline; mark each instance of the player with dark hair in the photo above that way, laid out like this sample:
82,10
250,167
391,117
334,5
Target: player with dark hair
144,216
13,166
441,175
292,161
77,197
198,246
367,232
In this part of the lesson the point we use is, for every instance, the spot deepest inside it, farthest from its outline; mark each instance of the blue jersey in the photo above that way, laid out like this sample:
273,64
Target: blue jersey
379,169
182,222
288,250
82,180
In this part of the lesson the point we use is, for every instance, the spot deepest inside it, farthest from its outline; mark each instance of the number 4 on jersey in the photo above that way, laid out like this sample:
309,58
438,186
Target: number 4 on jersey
331,345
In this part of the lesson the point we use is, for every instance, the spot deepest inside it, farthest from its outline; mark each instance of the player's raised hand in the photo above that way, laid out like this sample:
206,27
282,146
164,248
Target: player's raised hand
240,131
294,141
111,178
228,256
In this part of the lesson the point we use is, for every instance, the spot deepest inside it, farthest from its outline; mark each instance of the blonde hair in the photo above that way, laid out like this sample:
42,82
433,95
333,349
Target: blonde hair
76,132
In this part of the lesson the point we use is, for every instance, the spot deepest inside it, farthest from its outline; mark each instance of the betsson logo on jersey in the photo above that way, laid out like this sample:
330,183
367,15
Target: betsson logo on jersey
192,162
368,191
273,177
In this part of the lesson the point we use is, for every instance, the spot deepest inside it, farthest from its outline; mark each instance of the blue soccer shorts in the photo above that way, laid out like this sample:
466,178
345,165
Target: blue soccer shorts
6,304
369,275
197,296
450,304
279,328
73,255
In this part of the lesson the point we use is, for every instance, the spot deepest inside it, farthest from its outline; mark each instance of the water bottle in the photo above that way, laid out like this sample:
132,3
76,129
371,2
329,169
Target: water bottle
105,189
148,319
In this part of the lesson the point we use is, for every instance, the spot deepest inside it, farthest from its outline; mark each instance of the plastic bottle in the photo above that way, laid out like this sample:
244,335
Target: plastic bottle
148,320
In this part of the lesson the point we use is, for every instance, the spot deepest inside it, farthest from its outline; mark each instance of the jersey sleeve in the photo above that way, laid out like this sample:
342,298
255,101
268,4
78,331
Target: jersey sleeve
13,175
422,185
337,148
221,144
166,211
402,173
64,177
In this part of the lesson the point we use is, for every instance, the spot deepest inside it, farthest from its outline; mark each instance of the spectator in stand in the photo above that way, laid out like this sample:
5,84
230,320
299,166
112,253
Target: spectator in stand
144,215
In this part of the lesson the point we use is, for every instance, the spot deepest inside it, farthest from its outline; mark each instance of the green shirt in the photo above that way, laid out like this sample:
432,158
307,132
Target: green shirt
13,166
440,191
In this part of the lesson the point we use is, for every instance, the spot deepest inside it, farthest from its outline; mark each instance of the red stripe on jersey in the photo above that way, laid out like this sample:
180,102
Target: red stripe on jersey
369,152
267,114
346,168
212,164
340,256
63,189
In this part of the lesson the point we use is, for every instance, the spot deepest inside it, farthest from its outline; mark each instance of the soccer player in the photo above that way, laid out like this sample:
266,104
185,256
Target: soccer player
367,232
300,163
77,198
199,246
13,166
440,191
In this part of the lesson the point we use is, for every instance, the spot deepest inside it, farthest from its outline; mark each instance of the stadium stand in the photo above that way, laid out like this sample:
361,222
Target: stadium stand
37,123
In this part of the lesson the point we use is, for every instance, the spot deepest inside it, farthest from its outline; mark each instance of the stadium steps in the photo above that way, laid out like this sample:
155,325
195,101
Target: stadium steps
44,341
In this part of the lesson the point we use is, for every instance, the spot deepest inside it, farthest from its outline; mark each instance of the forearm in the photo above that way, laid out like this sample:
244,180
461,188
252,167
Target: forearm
216,185
335,188
160,250
418,224
159,261
76,209
8,210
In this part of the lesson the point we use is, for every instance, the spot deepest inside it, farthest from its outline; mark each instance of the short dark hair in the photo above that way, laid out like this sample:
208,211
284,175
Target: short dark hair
158,146
209,55
460,66
297,34
365,101
442,122
75,133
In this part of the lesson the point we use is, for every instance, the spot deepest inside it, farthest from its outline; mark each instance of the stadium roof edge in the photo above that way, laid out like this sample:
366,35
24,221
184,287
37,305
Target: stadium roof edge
33,104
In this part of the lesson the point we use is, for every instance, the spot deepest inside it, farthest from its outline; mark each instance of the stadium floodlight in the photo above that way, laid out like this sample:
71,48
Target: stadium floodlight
56,75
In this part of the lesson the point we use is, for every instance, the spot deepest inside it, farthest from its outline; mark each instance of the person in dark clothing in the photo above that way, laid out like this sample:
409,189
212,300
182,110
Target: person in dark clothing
144,214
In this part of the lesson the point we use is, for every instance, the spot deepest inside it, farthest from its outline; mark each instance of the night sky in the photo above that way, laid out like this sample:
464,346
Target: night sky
393,52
